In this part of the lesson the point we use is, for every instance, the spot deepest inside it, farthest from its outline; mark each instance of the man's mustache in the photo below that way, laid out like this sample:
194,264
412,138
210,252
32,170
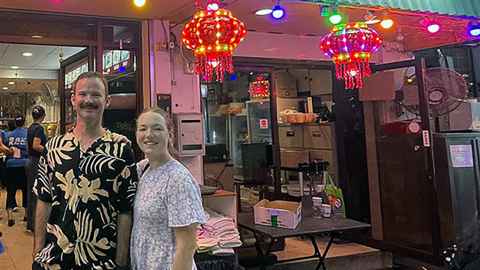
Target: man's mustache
88,106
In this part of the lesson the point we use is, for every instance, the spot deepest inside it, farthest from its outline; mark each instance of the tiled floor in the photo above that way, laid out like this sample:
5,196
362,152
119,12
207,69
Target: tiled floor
17,242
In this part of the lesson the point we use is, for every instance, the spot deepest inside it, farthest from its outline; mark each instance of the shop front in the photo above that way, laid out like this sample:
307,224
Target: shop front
284,111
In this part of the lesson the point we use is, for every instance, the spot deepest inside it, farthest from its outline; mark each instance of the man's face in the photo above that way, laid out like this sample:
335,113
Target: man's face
89,99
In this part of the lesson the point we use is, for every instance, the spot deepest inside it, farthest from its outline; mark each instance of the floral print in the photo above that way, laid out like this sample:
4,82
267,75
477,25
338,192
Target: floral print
87,191
167,197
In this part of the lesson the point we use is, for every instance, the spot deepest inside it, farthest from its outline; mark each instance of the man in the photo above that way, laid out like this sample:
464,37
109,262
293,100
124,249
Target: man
85,188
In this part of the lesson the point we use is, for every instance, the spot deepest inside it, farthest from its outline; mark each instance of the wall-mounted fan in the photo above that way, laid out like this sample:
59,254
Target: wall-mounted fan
445,89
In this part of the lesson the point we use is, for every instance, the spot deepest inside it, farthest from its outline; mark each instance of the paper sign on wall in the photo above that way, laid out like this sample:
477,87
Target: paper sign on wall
461,156
263,123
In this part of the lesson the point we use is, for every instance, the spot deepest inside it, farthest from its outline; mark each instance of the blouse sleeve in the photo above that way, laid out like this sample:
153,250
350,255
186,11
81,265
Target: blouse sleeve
184,200
43,183
127,182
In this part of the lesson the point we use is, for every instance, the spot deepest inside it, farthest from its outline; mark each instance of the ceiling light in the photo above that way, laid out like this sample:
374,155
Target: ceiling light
5,88
335,18
433,27
11,83
139,3
37,36
474,29
263,11
278,12
27,54
387,23
14,67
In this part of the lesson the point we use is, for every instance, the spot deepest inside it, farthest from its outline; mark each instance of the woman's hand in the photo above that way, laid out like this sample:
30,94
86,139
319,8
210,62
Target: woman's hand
118,138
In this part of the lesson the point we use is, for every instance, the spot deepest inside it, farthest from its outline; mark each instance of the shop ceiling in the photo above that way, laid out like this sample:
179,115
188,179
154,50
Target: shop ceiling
303,15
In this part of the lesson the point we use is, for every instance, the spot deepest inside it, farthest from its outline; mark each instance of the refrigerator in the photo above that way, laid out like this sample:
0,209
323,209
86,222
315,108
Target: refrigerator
457,180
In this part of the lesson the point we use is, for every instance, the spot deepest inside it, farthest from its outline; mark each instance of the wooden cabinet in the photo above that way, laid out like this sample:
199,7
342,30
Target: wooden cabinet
318,136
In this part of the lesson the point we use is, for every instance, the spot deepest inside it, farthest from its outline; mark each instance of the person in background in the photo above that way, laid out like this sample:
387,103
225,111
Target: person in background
16,162
5,151
168,205
36,139
85,190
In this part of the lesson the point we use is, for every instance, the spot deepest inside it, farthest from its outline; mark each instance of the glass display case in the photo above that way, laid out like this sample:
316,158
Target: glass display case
259,121
237,134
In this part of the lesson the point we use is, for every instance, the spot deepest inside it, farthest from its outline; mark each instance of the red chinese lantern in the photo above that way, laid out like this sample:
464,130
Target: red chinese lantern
350,46
213,34
260,88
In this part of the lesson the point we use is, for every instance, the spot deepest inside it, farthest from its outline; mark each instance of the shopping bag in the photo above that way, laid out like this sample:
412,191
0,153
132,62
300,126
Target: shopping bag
335,197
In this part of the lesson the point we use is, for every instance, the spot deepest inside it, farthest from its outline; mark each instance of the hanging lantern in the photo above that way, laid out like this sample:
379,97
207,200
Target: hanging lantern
213,34
260,88
350,46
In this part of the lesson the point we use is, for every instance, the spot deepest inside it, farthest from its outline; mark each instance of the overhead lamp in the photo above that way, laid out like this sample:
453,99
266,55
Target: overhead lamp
11,83
27,54
5,88
263,11
37,36
139,3
278,12
14,67
474,29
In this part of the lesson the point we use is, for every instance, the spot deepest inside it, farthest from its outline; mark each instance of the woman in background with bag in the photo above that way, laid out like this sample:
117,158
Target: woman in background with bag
36,145
16,162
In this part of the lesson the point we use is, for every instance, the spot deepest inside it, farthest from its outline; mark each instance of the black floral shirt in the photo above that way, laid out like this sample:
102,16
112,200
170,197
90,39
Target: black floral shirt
87,191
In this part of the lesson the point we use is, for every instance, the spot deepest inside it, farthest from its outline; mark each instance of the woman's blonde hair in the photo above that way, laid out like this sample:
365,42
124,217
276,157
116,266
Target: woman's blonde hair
170,128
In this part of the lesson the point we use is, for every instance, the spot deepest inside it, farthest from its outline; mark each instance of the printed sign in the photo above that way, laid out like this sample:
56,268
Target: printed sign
426,138
263,123
461,156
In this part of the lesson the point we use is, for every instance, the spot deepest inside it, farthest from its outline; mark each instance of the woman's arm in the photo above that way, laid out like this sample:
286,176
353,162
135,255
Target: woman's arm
186,244
4,149
37,145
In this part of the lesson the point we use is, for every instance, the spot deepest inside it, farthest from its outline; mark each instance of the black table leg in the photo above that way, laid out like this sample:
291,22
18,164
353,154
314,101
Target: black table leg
260,253
321,257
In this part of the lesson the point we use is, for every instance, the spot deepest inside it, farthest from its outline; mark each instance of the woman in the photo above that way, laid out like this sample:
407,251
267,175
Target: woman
168,204
36,145
16,178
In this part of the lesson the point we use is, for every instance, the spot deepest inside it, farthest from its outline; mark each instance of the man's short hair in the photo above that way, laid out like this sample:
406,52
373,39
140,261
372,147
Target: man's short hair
91,75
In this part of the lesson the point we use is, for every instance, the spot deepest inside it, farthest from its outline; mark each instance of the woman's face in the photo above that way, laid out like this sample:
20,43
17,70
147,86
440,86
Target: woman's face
152,134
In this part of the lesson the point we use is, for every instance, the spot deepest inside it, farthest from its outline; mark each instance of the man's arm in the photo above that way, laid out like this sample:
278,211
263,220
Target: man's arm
124,228
41,217
185,246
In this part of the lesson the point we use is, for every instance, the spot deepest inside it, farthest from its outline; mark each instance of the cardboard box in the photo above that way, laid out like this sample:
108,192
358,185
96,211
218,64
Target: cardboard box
281,214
